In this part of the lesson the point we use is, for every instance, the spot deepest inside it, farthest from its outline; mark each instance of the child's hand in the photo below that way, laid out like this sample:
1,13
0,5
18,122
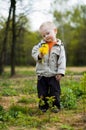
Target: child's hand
58,77
43,50
40,55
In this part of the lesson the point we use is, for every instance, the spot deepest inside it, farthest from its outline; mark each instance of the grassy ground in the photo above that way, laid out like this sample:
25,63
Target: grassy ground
19,102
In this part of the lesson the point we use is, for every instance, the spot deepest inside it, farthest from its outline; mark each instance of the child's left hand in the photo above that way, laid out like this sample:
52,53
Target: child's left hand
58,77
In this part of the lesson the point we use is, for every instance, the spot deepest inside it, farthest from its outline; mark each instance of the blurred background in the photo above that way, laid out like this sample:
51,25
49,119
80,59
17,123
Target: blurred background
19,23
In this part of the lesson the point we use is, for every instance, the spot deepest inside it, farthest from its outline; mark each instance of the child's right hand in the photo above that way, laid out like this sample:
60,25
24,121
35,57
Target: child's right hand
41,55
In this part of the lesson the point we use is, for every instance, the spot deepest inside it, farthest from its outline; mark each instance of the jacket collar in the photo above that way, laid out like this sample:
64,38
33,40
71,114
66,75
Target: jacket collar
58,42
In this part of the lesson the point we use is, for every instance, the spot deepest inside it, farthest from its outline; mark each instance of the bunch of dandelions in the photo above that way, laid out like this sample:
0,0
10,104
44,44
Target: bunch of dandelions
44,49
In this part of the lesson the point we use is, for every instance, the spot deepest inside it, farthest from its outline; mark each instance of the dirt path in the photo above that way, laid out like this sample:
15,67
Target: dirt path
76,69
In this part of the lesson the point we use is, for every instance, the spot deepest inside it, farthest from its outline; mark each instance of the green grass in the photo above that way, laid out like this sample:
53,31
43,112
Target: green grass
19,103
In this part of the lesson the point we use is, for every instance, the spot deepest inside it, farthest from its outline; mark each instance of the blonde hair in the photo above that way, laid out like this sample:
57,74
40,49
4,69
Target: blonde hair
47,24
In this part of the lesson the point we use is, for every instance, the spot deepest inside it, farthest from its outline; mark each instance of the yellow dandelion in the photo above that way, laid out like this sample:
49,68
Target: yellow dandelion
44,49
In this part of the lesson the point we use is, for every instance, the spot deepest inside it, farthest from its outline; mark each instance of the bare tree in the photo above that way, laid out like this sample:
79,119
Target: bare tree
3,51
23,10
13,5
4,43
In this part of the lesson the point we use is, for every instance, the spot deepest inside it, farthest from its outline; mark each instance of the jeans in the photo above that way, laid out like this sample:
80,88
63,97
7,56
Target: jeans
48,87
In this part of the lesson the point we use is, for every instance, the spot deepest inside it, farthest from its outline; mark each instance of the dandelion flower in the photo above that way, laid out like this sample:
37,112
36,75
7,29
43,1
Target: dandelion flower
44,49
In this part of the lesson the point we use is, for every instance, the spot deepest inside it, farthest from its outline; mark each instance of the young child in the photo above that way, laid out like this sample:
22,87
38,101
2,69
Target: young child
49,55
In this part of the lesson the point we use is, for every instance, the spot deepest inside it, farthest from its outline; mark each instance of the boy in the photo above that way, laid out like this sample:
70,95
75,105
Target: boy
50,65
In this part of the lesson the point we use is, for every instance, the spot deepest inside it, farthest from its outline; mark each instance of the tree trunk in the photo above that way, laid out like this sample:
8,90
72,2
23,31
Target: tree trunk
13,39
4,44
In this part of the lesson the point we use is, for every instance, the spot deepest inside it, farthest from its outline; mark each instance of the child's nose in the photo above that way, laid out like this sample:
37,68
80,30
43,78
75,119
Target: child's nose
46,36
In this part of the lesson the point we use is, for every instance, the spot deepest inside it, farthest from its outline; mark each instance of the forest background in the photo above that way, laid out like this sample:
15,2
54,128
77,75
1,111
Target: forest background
17,38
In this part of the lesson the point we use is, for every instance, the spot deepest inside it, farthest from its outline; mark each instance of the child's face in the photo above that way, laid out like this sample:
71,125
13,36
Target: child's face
49,35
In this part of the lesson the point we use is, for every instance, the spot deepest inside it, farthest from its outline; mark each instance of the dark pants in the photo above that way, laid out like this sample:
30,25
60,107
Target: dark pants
48,87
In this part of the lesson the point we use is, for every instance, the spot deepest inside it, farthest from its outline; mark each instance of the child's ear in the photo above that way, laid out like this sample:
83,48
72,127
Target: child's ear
55,30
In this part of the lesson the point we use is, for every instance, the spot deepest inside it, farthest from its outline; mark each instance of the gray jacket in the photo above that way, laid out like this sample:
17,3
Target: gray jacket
51,64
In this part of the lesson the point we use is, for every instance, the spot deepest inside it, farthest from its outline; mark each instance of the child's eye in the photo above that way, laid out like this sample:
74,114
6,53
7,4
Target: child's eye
43,35
47,33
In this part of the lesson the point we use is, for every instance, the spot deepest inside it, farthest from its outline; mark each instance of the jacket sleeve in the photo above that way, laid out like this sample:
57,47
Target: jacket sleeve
62,61
35,52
